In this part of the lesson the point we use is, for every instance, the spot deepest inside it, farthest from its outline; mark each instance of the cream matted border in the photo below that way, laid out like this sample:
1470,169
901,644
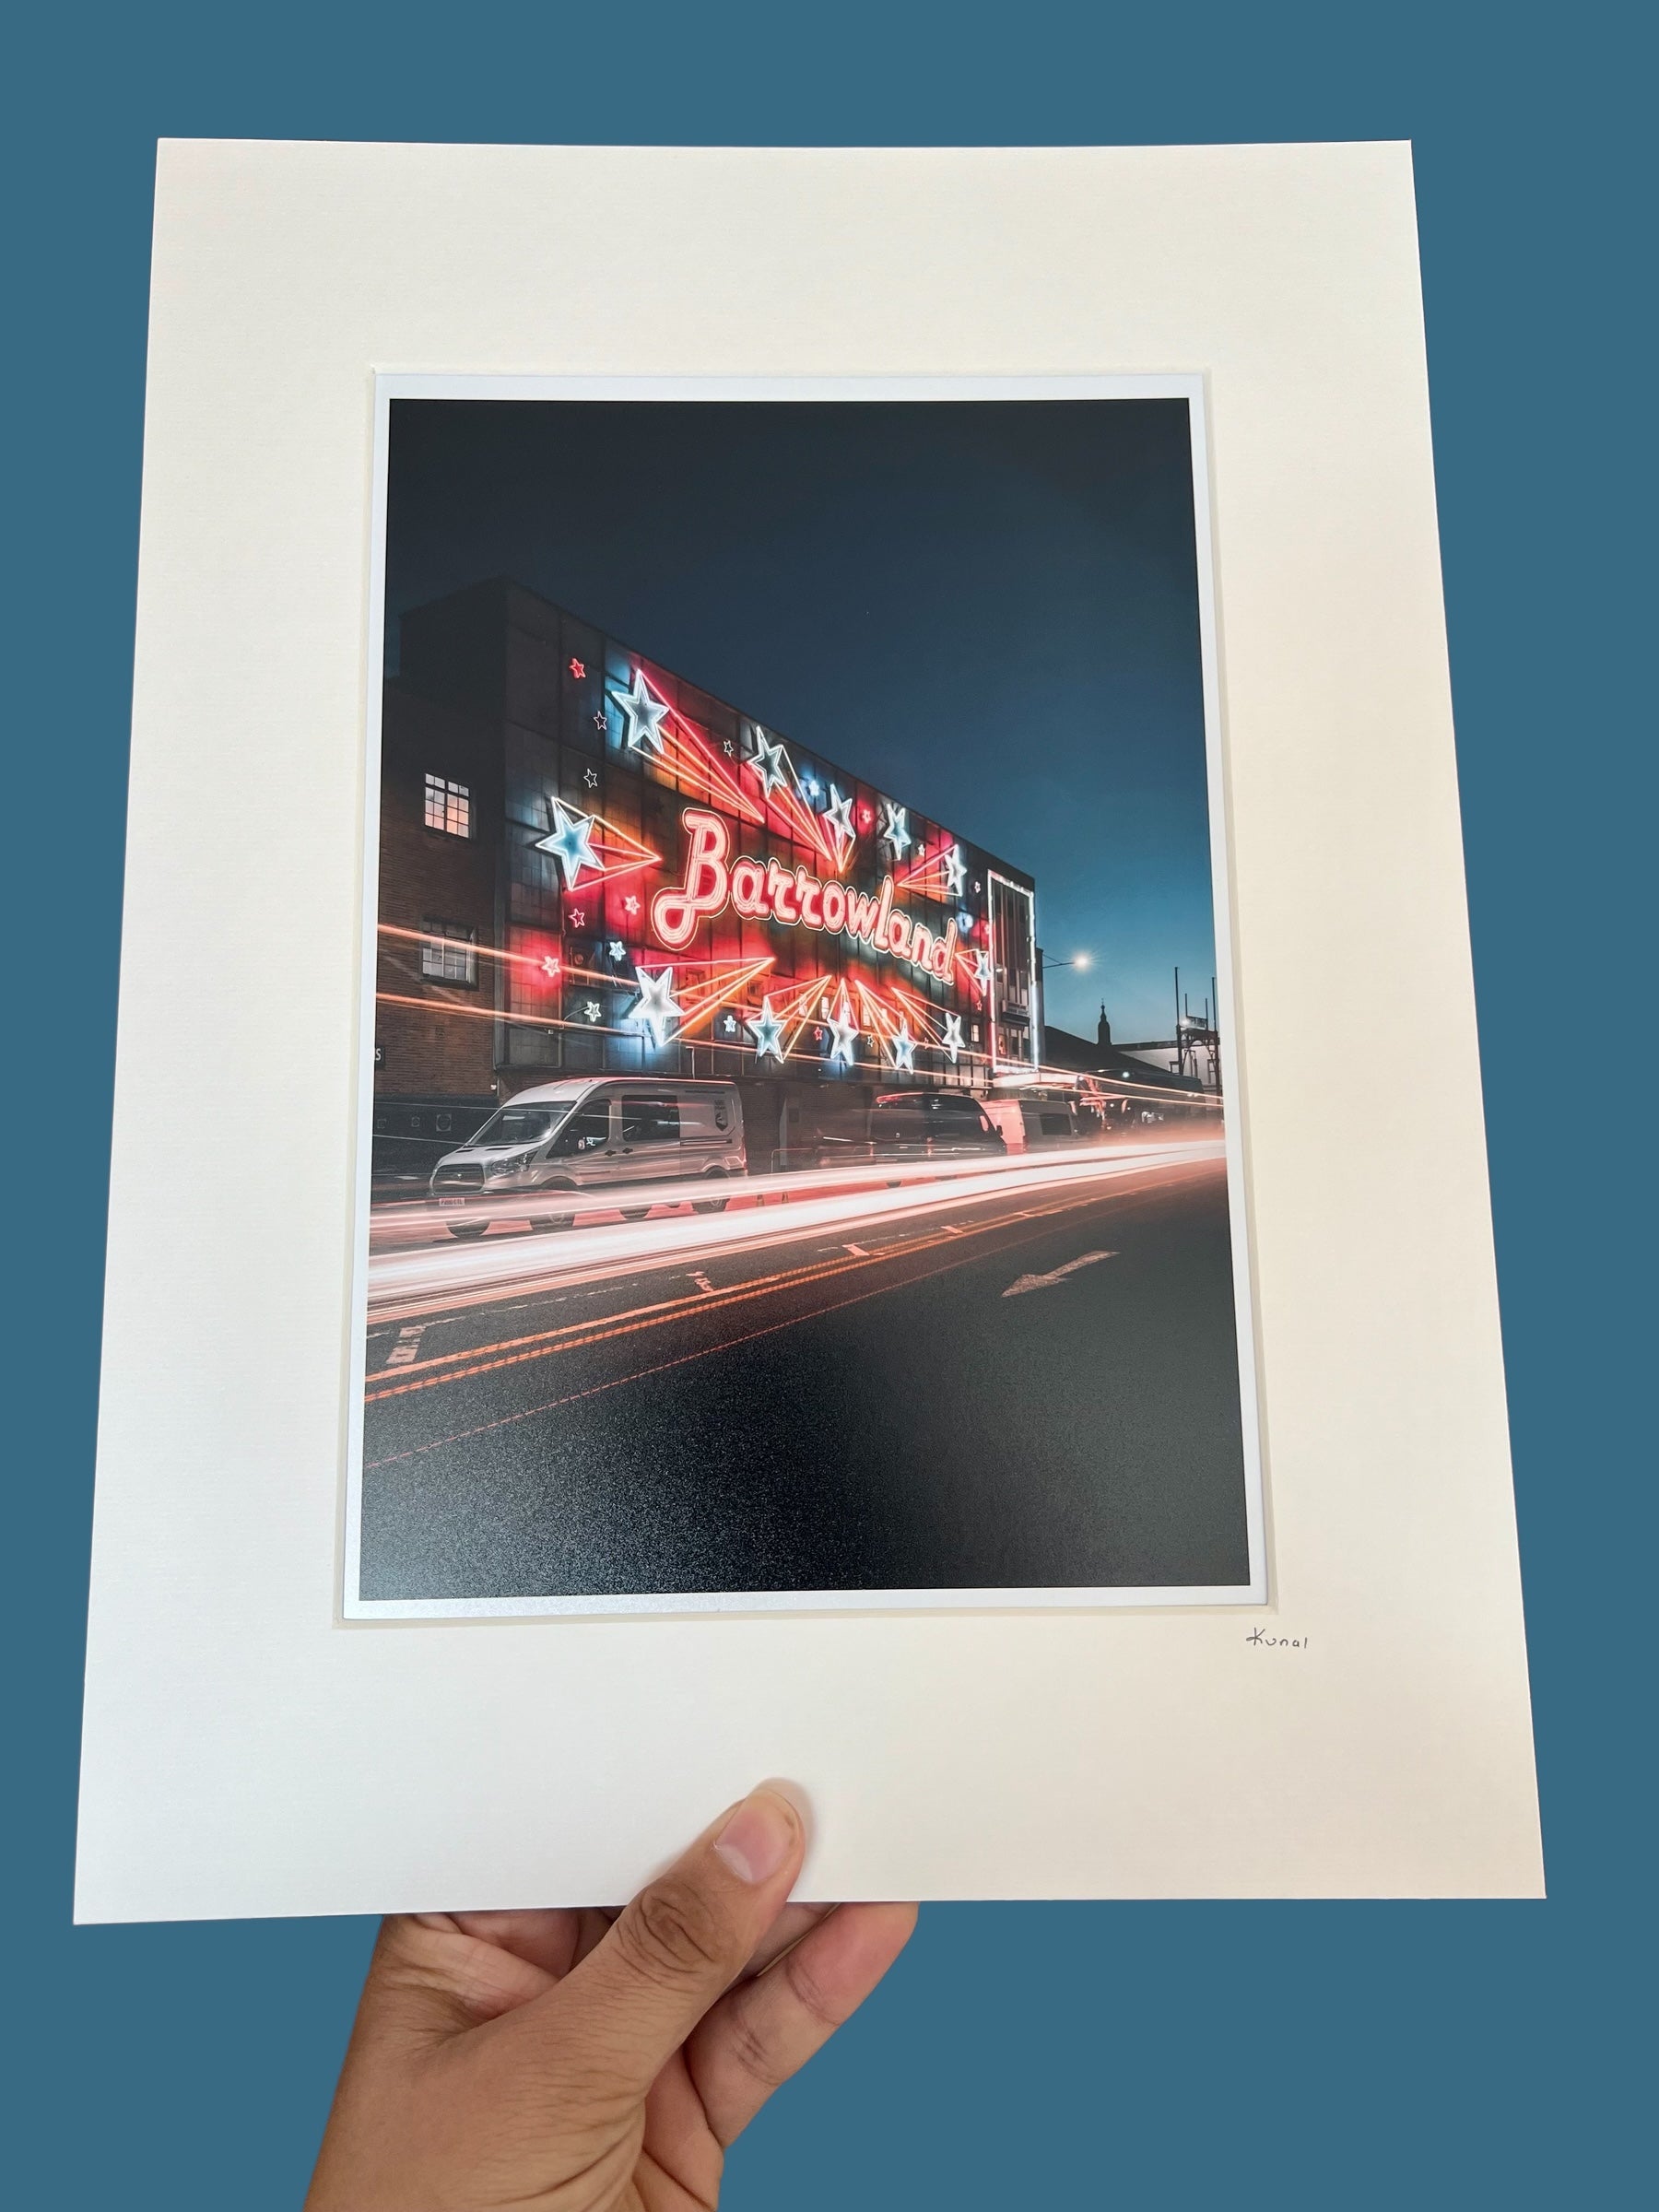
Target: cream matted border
785,392
245,1751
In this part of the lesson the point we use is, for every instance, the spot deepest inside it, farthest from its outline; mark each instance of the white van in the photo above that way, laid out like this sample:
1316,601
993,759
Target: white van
605,1137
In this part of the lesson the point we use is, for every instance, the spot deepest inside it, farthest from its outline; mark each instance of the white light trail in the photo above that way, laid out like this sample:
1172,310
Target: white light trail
408,1280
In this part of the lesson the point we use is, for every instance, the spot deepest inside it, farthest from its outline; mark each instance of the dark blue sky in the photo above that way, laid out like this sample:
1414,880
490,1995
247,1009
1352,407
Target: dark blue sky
989,609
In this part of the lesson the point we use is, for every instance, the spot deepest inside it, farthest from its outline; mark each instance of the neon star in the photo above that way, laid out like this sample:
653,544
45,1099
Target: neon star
617,950
656,1006
729,750
549,966
956,874
578,669
630,905
768,760
904,1047
592,1009
578,917
645,712
839,815
769,1032
843,1037
982,967
598,718
589,776
571,839
895,825
952,1040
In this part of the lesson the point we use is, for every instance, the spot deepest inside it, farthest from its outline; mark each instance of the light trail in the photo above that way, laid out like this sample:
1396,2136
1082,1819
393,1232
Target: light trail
408,1281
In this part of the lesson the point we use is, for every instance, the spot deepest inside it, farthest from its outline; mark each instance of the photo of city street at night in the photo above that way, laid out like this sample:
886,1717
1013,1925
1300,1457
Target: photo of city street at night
745,1218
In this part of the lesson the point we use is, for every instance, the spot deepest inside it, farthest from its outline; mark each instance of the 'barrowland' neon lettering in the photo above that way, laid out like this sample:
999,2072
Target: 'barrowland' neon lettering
762,889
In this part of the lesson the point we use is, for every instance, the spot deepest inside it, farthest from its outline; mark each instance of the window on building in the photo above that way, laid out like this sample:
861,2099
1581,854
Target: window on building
448,807
448,951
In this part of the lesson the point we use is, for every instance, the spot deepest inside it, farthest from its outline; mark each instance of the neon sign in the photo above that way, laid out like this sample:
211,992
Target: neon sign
763,889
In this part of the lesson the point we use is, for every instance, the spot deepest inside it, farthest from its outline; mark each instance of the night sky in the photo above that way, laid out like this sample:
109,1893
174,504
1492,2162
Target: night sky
988,609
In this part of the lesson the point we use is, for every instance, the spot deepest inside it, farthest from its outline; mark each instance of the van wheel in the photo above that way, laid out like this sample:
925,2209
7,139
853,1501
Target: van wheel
710,1205
633,1213
467,1228
549,1222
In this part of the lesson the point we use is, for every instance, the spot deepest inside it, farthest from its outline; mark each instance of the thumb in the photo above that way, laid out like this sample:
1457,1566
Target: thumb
637,1996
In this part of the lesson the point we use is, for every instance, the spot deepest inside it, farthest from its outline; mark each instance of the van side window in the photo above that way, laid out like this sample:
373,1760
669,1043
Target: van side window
587,1130
649,1122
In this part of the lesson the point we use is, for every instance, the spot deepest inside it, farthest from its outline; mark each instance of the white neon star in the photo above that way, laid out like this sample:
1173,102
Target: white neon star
844,1037
768,1030
592,1009
839,815
572,838
589,776
952,1040
982,967
904,1047
617,950
630,905
895,825
656,1006
549,966
768,760
644,711
956,874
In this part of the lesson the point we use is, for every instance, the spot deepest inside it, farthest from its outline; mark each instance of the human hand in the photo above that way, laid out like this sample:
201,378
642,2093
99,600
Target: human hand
586,2061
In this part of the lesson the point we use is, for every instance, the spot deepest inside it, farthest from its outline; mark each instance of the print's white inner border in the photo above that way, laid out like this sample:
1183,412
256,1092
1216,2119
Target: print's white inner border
1190,388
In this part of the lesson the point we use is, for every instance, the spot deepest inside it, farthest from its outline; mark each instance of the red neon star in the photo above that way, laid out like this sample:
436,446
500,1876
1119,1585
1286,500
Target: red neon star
579,669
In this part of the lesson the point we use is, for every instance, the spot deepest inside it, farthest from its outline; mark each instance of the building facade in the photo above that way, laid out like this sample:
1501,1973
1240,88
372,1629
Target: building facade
589,864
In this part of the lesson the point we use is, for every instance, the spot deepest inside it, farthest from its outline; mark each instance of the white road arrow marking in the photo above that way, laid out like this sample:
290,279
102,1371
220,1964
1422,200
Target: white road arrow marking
1044,1282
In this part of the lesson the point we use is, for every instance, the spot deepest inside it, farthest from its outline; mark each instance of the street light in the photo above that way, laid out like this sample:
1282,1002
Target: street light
1078,959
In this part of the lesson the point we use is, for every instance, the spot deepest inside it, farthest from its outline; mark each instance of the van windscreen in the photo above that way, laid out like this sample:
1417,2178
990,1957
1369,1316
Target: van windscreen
519,1125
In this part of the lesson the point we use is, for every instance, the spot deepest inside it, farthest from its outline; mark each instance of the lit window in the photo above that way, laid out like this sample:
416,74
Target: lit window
448,807
448,952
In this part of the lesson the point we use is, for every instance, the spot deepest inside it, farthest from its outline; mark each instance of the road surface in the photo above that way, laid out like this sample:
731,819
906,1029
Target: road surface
987,1382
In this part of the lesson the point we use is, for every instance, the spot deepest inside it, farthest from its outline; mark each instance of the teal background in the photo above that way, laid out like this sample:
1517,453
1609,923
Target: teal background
1273,2056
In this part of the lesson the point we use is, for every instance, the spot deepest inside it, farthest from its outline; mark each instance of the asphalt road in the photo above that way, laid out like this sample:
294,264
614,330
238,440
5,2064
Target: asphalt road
1036,1391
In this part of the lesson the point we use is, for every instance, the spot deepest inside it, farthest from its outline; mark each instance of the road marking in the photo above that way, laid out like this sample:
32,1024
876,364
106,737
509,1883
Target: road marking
1044,1282
408,1343
859,1249
701,1280
577,1336
662,1367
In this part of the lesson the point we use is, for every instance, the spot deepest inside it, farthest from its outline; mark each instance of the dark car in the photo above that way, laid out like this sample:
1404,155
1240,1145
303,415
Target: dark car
932,1124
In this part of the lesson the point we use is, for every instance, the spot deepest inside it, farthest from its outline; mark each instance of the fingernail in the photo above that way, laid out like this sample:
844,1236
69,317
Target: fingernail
758,1837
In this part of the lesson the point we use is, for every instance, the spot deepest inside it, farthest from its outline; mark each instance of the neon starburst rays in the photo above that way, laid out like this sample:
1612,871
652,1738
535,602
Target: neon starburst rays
669,741
588,848
942,875
675,1001
787,793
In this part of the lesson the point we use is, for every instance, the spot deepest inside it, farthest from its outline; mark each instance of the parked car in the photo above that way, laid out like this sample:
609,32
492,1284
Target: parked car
603,1139
932,1124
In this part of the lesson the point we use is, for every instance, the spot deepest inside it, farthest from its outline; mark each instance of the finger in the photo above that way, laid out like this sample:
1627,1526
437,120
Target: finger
765,2030
785,1932
631,2003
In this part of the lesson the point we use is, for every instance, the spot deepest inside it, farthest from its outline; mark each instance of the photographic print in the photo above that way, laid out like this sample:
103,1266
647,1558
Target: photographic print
798,1162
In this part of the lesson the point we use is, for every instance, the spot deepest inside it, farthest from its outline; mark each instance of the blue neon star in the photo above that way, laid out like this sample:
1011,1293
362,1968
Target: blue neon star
768,760
768,1029
656,1006
571,839
644,711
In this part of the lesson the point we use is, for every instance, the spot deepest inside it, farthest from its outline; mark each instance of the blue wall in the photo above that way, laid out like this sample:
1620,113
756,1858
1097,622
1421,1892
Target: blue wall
1271,2056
